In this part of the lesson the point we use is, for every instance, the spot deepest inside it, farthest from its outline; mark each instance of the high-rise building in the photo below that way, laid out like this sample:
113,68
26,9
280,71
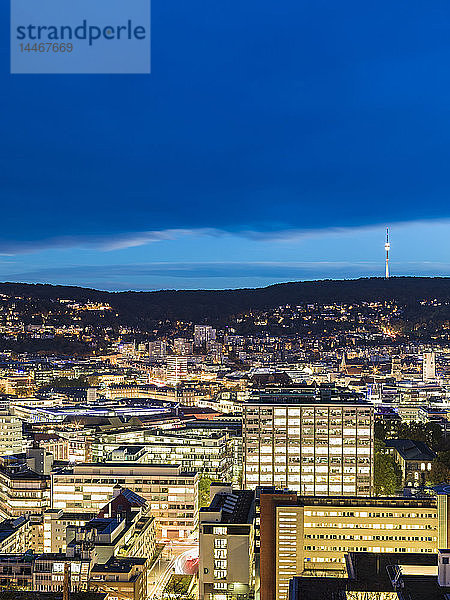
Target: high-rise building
429,366
183,347
396,367
176,369
203,334
313,440
157,349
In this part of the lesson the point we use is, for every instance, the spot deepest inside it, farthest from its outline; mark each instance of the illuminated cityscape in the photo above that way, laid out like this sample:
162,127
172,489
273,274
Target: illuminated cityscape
224,300
230,459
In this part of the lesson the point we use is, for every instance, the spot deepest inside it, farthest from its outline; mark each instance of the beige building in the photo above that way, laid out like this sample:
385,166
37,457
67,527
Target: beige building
311,535
55,525
16,535
226,545
171,492
23,491
11,437
124,579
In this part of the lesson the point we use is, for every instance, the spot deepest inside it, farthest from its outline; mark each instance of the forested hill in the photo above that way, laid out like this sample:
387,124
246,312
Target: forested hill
204,305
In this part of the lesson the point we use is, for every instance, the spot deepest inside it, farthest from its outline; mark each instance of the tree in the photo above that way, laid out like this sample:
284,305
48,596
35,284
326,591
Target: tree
387,473
440,472
203,491
66,382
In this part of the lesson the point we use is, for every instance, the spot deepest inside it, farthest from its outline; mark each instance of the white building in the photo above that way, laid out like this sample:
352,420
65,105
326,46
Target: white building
176,369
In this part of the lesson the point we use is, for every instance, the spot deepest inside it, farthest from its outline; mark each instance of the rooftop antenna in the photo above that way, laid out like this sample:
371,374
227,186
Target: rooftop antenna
387,247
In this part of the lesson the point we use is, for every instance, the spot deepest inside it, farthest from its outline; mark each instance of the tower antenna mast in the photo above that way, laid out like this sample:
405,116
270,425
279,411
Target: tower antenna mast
387,247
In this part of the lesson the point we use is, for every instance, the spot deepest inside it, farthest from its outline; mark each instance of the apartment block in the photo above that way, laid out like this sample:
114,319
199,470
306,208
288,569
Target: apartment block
312,440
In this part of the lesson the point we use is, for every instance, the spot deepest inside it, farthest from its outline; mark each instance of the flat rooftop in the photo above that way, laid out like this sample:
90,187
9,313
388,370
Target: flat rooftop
398,575
236,507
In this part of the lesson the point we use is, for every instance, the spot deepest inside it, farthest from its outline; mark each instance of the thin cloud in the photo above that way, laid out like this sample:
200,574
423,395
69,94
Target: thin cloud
122,241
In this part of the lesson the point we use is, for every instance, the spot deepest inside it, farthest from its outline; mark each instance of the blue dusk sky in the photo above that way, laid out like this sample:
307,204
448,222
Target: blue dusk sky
273,141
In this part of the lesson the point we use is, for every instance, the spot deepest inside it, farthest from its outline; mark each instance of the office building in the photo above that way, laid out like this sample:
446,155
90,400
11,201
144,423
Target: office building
11,437
183,347
171,492
429,366
48,572
226,545
304,535
211,456
380,576
157,349
16,571
203,334
310,440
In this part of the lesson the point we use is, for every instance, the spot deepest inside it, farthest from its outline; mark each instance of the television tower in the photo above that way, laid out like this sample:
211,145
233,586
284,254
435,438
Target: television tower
387,247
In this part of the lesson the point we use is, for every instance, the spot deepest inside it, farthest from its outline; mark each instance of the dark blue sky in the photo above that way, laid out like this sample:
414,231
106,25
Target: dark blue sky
260,121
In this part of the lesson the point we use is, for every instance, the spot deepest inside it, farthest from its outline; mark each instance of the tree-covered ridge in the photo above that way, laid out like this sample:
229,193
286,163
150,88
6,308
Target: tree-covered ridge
198,305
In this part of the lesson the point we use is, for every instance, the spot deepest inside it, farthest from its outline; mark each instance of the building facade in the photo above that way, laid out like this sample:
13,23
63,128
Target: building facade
301,535
23,491
309,443
11,438
226,546
171,492
211,456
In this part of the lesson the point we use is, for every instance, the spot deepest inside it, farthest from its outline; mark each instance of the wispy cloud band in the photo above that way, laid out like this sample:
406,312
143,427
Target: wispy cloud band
108,242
